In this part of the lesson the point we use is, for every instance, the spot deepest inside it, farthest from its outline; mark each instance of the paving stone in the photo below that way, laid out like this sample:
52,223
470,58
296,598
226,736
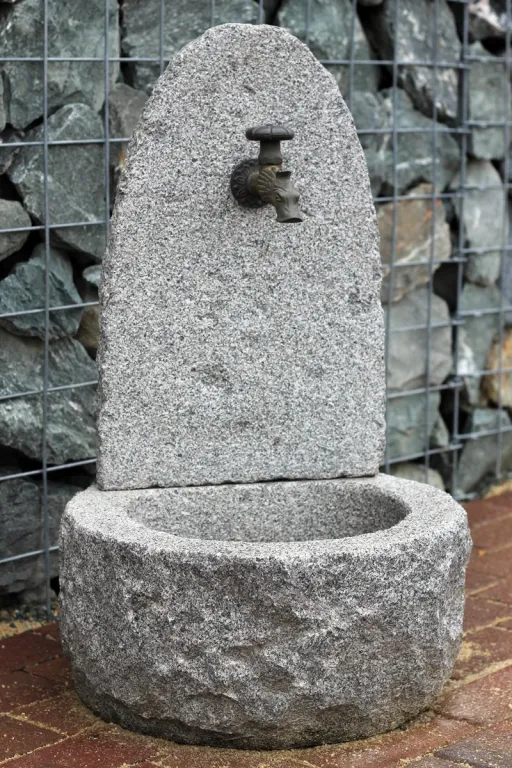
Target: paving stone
99,748
176,756
484,701
265,365
428,762
481,613
19,651
22,688
478,582
65,714
493,535
486,510
501,591
55,669
52,630
419,737
491,748
494,564
481,649
17,738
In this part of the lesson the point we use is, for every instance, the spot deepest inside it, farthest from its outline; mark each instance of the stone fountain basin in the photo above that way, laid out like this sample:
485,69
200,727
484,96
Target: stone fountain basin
266,615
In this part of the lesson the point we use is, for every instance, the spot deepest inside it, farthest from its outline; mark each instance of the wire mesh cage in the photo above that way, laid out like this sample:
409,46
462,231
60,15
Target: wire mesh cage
428,84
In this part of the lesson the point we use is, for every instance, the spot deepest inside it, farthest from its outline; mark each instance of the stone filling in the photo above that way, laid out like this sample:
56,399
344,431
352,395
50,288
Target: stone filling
257,353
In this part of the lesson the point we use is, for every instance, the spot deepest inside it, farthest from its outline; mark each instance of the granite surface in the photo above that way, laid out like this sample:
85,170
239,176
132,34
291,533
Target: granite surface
257,353
264,615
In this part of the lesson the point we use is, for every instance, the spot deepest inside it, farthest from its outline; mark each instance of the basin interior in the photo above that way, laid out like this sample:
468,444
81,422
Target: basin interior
270,512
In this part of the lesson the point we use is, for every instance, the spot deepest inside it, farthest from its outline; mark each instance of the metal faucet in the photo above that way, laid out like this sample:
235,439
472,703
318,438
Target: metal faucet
257,182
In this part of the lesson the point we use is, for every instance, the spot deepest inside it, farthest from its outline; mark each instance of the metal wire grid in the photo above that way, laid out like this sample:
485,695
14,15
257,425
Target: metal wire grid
461,130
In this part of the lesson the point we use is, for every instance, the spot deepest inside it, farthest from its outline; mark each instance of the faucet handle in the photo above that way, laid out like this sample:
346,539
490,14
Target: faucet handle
270,136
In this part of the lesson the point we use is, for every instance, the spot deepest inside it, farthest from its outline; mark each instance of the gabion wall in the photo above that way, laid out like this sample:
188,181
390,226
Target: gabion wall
428,83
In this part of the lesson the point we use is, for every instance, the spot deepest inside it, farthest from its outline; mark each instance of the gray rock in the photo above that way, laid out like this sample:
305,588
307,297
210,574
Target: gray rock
89,331
411,420
92,275
21,528
476,335
414,156
414,41
414,160
368,113
12,216
418,473
332,32
411,231
9,138
184,20
487,19
71,434
3,116
479,455
24,289
125,108
409,355
74,30
264,358
440,437
76,189
485,220
285,624
489,99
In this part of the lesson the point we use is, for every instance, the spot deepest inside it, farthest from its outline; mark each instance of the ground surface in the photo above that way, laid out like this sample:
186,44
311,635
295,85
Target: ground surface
43,724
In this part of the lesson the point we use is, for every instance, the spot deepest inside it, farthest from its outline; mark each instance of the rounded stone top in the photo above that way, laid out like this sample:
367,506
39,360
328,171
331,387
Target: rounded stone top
269,132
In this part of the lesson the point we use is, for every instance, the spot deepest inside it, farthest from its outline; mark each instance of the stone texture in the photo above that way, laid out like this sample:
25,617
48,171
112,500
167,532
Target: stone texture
418,473
419,232
125,108
24,289
476,335
71,433
415,158
332,32
411,420
12,215
489,99
184,20
74,30
285,624
500,356
264,358
485,220
486,19
415,40
410,357
21,528
76,188
479,455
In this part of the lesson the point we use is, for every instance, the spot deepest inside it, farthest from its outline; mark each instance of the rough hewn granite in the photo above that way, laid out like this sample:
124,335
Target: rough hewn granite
257,352
263,615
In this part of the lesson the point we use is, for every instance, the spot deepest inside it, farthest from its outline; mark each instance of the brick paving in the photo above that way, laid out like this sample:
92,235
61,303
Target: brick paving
44,725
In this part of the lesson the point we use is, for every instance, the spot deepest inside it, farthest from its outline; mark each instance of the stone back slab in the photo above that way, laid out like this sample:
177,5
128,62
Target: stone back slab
235,348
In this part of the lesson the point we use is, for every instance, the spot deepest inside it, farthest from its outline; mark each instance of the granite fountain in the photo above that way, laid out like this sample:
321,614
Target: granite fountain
242,575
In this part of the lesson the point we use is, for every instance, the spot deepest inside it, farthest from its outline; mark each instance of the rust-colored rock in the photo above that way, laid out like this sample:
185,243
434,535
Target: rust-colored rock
493,381
416,237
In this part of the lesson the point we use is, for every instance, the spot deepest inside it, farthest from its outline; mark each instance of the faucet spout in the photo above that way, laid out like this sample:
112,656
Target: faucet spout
276,187
257,182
